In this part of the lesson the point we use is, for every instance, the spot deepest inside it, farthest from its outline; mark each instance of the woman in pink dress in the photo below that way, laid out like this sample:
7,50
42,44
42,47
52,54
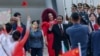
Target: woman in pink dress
48,20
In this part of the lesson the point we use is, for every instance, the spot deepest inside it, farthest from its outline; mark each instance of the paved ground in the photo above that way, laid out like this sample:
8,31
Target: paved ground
45,52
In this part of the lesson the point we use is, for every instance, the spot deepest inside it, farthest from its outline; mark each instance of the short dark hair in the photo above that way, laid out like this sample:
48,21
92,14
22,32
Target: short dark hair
75,16
98,21
16,35
17,14
35,21
8,27
60,16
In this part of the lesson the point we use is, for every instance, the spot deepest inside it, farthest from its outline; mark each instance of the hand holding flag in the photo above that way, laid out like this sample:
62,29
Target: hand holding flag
74,52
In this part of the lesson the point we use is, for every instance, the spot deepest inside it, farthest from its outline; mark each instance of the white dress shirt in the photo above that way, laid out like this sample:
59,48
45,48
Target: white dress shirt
8,44
2,52
61,26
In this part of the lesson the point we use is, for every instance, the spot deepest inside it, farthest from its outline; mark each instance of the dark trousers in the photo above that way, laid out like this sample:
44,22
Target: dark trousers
37,51
57,52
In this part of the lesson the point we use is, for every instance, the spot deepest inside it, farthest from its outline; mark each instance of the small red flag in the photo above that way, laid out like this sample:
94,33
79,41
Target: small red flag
24,3
73,52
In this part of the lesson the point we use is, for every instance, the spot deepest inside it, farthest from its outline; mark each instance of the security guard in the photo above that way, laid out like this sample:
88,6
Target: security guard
98,10
92,9
86,7
80,7
83,14
74,8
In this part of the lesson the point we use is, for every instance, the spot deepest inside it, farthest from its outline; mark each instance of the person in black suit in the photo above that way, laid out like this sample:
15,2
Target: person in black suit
59,35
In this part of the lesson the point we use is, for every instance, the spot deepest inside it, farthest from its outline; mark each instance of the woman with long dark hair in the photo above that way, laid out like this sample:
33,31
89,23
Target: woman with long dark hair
93,18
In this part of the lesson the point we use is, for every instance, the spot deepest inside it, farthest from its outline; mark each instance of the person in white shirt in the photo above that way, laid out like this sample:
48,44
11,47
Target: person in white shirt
10,42
7,42
2,51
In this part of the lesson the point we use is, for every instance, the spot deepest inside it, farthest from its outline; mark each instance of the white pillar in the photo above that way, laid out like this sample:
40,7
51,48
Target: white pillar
48,3
60,7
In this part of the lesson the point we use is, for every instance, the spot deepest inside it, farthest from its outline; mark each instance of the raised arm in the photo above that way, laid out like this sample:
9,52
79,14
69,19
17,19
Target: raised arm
22,42
19,27
45,27
4,29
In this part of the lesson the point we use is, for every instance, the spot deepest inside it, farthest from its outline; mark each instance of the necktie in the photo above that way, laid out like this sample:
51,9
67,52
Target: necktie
60,26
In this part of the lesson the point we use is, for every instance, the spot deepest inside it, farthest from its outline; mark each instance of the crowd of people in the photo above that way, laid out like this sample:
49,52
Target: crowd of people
83,26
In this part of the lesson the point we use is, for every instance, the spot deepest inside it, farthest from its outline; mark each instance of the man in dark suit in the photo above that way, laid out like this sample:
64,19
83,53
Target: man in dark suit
78,34
59,35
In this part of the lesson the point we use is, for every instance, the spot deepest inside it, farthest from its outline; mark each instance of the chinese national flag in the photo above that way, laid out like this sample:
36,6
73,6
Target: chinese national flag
73,52
24,3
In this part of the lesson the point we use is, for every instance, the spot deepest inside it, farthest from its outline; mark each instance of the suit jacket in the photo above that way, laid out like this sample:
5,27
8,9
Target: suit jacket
95,43
58,37
78,34
35,39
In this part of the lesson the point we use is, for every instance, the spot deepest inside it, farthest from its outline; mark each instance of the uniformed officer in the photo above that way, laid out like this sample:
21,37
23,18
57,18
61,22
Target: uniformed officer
74,8
83,14
80,7
92,9
86,7
98,10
